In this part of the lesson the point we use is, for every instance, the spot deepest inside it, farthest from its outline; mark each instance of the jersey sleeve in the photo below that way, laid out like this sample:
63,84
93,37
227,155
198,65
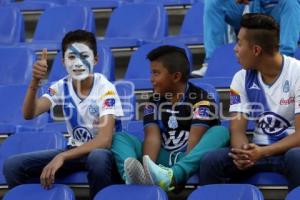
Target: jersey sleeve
205,112
110,102
149,111
297,97
54,93
238,96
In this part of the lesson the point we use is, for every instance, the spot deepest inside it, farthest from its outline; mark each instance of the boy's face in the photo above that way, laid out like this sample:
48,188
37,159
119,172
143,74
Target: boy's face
161,78
79,60
244,50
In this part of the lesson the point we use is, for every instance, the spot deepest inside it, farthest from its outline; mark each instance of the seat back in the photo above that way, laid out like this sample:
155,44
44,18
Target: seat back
61,2
125,91
139,65
11,26
193,21
37,192
105,66
223,62
16,65
55,22
226,192
140,21
294,194
11,109
131,192
31,141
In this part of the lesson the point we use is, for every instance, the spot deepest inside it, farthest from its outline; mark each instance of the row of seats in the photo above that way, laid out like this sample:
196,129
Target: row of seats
37,5
130,25
222,66
11,121
11,117
138,192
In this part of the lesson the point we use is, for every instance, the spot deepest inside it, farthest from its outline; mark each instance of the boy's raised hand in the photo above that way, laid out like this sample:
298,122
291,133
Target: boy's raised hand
40,67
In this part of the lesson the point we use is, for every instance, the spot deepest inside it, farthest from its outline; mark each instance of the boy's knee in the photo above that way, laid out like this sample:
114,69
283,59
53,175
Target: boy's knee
99,157
292,156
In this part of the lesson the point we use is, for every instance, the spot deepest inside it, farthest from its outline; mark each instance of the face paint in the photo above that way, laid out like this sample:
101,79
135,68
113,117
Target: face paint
79,61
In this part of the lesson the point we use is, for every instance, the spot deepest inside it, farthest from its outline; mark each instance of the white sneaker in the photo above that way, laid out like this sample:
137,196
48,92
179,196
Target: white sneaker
200,72
134,172
158,174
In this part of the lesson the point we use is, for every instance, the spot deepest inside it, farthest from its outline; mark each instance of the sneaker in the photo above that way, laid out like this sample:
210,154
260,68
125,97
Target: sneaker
134,172
158,174
200,72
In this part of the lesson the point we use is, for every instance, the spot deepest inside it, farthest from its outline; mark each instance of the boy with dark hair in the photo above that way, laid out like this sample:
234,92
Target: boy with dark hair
90,105
267,89
180,124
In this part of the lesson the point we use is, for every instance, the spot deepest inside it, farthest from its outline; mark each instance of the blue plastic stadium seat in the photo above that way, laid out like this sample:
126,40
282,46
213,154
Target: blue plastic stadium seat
226,192
294,194
267,179
191,32
36,5
16,65
96,4
131,25
131,192
29,142
11,26
11,116
167,3
138,70
135,128
221,67
126,93
36,192
105,66
55,22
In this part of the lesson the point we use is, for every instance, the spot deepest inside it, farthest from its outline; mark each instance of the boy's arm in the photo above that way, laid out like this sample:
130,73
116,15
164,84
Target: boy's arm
102,140
34,106
152,141
256,152
238,127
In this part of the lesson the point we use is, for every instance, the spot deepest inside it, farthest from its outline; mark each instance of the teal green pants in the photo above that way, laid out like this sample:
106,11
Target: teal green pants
183,165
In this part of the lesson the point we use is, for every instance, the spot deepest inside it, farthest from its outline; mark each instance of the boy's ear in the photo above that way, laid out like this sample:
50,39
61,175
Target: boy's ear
96,60
63,61
177,76
257,50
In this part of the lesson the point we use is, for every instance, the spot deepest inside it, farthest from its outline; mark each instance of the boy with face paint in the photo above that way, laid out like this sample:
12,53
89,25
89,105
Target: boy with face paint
90,106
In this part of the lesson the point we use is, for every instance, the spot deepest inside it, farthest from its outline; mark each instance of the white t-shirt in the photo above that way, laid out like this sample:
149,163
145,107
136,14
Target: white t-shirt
82,115
272,106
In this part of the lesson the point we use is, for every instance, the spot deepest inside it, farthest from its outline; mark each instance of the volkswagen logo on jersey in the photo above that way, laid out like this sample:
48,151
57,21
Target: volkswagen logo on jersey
81,134
272,124
175,140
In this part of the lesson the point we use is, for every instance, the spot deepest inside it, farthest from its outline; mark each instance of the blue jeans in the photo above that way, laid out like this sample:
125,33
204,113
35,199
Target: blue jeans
217,167
219,13
24,168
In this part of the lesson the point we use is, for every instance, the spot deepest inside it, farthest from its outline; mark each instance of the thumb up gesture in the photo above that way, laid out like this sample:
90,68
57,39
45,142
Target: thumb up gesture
40,67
